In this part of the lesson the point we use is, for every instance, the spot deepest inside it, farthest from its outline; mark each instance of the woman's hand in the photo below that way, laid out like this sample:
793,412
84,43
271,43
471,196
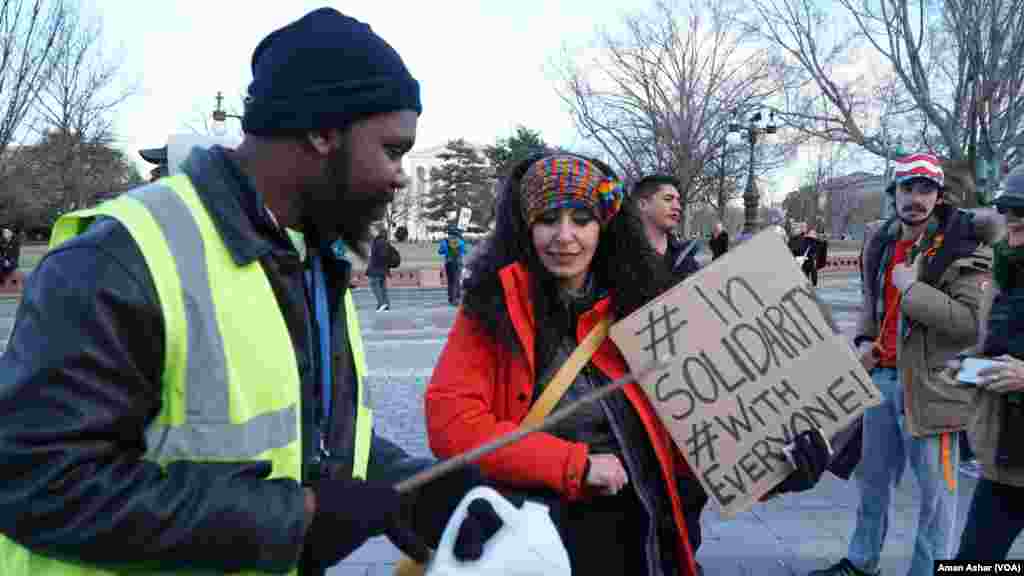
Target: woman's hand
606,472
1008,377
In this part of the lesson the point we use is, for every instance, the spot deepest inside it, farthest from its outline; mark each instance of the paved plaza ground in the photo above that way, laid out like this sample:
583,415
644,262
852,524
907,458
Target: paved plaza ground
789,535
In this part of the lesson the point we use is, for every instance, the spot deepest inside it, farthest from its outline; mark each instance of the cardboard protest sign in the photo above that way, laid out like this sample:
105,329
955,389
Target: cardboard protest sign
752,361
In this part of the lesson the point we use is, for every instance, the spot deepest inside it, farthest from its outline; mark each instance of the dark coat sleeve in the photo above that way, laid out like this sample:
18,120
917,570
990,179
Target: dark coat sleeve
688,265
822,253
79,384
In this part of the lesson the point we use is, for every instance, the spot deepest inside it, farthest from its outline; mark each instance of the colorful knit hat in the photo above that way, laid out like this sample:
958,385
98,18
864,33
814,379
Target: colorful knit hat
916,166
566,181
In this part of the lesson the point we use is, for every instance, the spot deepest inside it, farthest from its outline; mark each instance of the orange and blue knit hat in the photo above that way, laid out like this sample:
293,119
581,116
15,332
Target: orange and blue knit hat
566,181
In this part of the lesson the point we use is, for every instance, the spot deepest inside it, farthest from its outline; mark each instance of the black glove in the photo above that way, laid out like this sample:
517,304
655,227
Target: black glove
810,456
350,512
480,524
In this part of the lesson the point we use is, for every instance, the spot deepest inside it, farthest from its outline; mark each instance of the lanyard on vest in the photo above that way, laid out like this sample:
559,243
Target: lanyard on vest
318,285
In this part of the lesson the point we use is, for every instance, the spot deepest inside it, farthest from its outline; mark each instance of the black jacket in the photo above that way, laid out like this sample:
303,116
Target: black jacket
80,382
719,244
815,249
380,257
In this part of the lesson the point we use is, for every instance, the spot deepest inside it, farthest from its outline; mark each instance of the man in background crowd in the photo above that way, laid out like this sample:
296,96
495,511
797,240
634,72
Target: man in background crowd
453,250
924,272
379,268
655,198
719,242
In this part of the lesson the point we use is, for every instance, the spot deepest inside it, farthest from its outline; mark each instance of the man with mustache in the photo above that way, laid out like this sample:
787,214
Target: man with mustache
184,386
657,202
655,198
924,272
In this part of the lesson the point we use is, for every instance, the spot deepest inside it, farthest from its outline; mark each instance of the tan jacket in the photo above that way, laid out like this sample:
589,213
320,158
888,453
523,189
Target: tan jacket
986,415
936,323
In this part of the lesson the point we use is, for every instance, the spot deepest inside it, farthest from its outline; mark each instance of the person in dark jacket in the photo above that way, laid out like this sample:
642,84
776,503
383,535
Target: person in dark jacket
10,253
379,268
810,251
655,198
719,242
562,258
84,372
996,515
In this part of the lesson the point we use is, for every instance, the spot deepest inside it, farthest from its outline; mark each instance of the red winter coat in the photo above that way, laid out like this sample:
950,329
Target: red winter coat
481,390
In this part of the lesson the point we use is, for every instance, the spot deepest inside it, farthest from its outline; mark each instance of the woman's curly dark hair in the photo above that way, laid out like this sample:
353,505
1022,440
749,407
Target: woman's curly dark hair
624,264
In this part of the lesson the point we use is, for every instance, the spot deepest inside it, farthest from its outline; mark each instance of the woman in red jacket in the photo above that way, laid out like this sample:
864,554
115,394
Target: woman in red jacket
562,257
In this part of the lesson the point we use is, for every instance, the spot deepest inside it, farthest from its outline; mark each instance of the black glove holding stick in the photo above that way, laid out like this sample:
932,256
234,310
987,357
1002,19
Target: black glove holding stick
350,512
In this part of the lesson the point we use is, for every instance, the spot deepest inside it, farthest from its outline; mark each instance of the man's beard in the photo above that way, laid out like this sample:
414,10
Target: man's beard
332,210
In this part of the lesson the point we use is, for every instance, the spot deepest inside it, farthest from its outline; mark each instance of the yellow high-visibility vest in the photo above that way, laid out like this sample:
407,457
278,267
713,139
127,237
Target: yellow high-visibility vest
231,384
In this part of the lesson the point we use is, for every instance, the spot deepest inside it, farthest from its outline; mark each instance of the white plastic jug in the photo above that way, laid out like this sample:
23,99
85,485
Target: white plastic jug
527,544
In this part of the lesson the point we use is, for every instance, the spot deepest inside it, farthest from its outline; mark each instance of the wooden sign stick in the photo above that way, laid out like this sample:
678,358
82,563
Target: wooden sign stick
446,466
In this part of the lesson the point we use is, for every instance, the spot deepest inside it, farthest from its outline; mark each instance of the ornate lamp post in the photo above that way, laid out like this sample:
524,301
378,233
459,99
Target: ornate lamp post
751,198
220,116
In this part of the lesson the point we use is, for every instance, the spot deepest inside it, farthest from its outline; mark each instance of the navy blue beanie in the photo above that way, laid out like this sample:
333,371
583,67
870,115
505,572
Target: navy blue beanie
325,70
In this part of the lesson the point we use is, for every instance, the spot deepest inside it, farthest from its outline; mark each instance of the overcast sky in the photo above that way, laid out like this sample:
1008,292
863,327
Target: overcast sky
483,65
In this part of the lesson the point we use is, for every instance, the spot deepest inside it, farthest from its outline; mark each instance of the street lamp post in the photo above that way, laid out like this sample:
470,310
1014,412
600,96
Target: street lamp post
220,116
721,180
751,198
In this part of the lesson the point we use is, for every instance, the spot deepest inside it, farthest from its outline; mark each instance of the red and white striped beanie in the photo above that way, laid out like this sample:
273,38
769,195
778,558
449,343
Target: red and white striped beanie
917,166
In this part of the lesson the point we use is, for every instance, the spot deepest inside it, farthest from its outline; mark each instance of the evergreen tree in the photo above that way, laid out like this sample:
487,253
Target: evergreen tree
462,181
507,152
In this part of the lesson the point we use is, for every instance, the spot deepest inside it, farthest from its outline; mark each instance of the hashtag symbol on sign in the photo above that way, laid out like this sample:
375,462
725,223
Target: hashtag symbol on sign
664,321
701,441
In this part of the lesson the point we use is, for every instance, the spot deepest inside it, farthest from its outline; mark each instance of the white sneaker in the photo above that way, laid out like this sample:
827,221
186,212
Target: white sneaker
382,308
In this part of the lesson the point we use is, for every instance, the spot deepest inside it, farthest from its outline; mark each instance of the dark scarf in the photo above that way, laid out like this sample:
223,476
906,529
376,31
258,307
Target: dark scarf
576,302
1006,317
1008,266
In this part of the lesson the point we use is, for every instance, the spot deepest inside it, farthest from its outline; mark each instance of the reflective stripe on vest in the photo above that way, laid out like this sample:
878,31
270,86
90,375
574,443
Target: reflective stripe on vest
207,433
179,242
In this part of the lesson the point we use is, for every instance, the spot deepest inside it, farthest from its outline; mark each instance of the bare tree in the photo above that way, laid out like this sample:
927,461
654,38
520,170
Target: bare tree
660,98
32,194
75,103
820,173
958,66
29,32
